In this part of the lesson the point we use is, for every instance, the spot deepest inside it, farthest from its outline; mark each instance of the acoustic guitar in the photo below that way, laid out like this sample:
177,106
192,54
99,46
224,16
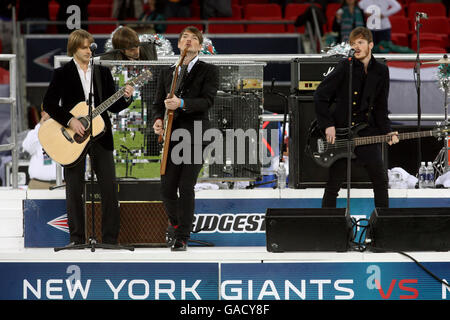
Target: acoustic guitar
65,146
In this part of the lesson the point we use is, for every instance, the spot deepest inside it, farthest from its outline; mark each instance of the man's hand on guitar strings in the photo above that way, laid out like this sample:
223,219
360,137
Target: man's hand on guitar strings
330,134
393,138
77,126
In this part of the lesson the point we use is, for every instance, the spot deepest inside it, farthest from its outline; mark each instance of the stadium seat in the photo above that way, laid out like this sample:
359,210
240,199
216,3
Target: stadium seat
258,12
435,9
427,40
432,50
246,2
436,25
292,11
4,76
100,10
400,31
265,28
262,10
102,28
228,28
177,28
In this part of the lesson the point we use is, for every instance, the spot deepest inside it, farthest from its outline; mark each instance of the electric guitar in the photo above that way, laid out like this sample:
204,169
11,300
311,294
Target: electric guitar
325,153
65,146
168,118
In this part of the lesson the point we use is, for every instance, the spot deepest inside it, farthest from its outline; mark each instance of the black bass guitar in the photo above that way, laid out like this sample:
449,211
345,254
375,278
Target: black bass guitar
325,153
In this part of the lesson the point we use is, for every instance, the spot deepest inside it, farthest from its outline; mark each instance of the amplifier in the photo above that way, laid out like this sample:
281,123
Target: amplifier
308,73
130,190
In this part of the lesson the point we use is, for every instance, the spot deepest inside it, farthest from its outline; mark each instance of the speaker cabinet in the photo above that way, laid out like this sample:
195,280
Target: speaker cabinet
141,223
303,170
409,229
307,229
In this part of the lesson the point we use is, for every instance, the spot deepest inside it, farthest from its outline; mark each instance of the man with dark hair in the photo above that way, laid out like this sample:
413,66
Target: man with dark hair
370,89
196,89
70,85
127,41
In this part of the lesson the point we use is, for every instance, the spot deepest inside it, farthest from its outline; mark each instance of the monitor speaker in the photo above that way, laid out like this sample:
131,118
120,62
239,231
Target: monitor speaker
307,229
409,229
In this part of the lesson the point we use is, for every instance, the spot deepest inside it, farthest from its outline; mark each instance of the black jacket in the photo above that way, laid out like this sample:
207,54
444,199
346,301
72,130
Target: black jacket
66,87
198,90
369,97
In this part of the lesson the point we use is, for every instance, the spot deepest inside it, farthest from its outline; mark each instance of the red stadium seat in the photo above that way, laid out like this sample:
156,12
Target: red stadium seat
262,10
292,11
428,40
177,28
102,28
228,28
246,2
435,9
432,50
400,31
100,10
266,28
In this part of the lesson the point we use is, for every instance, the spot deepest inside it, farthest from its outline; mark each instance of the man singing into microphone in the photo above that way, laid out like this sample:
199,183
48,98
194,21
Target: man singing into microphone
197,86
70,85
370,89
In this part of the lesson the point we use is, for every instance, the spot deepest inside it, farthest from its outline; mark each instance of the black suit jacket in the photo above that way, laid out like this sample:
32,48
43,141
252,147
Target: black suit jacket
66,87
198,90
369,97
369,102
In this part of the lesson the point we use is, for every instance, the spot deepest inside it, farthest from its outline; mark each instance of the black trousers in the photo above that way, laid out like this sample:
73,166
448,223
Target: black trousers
338,174
178,195
104,168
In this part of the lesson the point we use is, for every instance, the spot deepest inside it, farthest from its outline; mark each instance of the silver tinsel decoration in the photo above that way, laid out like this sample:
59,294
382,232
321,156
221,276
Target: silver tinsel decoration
163,45
444,76
342,49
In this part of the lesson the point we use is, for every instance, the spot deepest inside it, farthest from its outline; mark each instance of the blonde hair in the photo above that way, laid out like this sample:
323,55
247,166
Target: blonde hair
76,39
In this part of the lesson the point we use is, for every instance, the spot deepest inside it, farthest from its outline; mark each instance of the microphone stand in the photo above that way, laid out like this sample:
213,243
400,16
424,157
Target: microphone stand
349,125
92,241
418,85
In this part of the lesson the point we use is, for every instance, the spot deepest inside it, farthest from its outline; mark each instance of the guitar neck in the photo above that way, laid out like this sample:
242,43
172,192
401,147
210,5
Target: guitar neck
108,102
359,141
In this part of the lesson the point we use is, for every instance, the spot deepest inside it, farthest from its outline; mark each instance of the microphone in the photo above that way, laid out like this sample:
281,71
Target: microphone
93,46
421,15
351,52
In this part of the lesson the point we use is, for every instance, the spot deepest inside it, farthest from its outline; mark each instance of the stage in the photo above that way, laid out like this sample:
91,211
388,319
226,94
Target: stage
237,267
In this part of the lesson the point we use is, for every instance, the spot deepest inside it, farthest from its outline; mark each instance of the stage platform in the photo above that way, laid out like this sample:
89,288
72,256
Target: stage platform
237,267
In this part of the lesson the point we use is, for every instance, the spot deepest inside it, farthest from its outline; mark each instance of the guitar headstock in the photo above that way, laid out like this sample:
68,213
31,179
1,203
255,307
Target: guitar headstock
143,77
441,131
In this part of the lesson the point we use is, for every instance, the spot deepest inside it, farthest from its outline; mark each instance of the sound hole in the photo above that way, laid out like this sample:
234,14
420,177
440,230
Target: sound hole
87,132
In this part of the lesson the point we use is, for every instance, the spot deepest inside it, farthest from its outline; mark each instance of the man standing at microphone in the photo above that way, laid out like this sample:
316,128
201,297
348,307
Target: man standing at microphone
70,85
370,90
197,86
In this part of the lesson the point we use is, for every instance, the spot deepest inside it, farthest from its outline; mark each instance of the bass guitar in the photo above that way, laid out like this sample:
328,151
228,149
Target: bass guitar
65,146
325,153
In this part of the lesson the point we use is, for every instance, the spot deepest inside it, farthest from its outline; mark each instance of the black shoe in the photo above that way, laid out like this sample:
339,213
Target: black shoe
170,236
179,245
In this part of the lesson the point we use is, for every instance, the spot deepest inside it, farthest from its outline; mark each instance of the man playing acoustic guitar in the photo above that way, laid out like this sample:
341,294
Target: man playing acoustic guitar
370,91
69,86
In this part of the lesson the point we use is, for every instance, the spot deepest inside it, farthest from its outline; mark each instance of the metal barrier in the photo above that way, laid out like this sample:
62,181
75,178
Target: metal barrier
11,99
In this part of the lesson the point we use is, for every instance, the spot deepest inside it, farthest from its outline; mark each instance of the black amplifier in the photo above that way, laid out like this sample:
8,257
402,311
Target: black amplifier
308,73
